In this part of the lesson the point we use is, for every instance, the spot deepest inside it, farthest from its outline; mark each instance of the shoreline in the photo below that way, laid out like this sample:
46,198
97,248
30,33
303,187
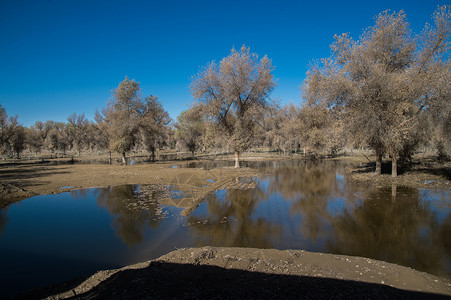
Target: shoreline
223,272
19,181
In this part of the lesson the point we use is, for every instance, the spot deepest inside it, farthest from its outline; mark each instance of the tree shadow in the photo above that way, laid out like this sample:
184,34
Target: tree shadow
161,280
443,171
16,175
370,167
427,166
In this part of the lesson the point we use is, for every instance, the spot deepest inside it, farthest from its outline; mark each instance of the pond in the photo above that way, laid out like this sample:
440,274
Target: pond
297,205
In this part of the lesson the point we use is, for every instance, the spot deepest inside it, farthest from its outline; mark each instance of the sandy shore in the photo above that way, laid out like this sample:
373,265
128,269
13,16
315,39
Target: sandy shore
246,273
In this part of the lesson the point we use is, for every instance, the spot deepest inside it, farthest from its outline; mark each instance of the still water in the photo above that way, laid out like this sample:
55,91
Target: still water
298,205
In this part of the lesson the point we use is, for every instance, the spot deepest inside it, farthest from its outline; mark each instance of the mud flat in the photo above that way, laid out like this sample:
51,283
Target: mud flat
230,273
20,181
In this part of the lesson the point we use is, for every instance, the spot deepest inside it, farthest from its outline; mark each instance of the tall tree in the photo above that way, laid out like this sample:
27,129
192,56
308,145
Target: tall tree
154,120
190,129
231,93
122,116
17,138
4,132
432,79
380,82
12,134
77,129
34,141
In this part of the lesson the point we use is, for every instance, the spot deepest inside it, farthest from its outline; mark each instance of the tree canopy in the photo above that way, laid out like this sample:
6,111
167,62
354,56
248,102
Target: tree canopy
382,82
233,91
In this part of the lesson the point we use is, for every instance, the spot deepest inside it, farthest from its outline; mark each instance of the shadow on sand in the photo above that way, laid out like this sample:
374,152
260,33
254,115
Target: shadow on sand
161,280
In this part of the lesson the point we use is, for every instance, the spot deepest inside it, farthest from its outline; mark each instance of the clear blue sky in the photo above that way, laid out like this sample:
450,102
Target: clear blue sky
59,57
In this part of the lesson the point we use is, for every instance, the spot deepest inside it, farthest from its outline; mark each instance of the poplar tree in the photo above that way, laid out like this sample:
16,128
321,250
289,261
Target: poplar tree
122,117
232,92
385,82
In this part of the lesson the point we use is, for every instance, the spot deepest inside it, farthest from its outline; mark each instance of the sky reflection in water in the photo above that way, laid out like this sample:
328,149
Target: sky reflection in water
300,205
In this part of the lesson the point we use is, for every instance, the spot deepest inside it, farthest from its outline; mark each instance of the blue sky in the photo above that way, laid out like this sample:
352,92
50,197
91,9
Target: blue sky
59,57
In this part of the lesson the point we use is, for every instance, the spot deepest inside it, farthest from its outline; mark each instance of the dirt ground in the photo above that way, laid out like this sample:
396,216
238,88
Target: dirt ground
246,273
421,173
20,181
227,272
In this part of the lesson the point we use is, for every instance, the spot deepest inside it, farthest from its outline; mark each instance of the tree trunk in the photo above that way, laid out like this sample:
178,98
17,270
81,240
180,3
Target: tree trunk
192,152
378,162
124,160
153,155
109,159
237,159
394,166
393,192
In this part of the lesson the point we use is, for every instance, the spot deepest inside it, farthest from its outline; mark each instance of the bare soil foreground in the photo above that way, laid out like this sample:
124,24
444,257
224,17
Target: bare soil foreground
246,273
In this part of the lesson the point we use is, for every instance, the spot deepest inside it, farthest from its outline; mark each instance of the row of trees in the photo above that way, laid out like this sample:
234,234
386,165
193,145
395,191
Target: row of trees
389,90
76,135
276,128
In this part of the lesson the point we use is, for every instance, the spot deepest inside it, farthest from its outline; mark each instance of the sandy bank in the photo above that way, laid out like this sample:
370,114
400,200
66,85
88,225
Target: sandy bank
219,273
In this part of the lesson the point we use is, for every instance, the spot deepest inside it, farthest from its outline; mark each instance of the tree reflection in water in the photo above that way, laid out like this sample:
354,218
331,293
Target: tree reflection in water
308,186
395,225
297,205
230,221
133,209
3,219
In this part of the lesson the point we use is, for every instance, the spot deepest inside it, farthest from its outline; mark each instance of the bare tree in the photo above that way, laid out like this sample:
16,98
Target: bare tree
12,134
190,128
4,131
380,82
77,129
34,141
432,80
121,117
232,91
17,137
289,134
154,120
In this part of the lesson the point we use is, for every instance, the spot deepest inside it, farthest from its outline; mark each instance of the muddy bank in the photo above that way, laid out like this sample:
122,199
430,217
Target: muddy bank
428,173
20,181
220,273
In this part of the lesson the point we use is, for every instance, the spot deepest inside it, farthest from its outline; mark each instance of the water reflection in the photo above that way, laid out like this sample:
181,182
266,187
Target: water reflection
296,205
230,221
401,225
395,225
308,186
3,219
133,208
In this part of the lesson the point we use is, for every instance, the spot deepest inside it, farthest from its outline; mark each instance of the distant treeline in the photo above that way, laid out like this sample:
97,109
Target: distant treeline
389,90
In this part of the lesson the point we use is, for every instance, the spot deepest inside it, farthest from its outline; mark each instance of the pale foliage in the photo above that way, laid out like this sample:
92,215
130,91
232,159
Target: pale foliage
190,129
383,82
153,124
122,116
12,134
129,119
78,130
233,92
